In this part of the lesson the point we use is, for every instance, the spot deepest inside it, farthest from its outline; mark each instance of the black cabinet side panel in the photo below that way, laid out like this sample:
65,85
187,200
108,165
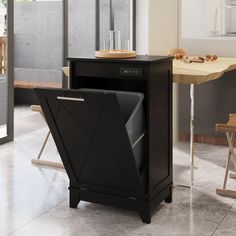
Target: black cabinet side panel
160,123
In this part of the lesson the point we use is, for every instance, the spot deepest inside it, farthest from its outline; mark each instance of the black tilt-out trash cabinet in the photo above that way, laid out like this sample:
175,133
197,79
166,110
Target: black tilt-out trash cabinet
113,130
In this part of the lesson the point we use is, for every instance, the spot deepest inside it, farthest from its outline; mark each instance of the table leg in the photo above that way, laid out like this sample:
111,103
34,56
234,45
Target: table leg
192,134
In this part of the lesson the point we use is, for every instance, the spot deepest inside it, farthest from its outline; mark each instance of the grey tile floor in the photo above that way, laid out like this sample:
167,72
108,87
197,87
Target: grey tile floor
34,199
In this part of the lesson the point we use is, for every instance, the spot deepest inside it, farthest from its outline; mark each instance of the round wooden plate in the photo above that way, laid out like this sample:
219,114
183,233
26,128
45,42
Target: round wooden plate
115,54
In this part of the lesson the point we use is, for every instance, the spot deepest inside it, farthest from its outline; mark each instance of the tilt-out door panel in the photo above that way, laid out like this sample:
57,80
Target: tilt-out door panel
92,131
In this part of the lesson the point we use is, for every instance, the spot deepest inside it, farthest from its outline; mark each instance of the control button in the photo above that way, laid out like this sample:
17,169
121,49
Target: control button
133,72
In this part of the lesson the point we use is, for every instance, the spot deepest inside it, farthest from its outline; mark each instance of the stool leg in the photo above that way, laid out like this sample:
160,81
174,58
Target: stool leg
233,156
233,174
230,139
44,144
227,164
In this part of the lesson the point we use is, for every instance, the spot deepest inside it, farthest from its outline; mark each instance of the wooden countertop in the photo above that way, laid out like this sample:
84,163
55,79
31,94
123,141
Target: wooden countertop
197,73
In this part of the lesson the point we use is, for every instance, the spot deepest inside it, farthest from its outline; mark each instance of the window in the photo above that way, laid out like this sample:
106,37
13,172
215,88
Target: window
43,27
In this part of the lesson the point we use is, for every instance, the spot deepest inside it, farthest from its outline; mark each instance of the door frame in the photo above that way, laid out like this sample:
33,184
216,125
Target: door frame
10,73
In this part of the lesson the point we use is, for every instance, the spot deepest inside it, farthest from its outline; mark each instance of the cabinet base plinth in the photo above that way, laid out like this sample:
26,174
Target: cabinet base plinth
143,207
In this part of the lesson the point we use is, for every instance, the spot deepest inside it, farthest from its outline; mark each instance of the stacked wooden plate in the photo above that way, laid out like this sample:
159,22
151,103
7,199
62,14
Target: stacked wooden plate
115,54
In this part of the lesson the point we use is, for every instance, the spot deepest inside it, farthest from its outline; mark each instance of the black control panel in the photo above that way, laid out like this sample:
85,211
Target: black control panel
133,72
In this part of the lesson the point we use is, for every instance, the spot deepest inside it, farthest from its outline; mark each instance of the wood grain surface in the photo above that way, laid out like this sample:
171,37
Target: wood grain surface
115,54
197,73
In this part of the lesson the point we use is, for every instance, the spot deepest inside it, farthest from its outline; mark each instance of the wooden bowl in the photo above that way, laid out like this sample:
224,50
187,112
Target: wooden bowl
176,51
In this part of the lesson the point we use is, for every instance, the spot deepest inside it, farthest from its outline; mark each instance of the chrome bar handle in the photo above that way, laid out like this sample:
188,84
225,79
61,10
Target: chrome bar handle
71,99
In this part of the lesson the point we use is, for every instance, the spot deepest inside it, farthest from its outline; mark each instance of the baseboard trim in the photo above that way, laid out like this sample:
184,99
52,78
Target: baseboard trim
206,139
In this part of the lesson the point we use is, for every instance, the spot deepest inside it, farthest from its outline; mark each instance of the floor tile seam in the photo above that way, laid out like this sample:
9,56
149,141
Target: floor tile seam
125,230
22,146
19,136
20,156
33,219
217,227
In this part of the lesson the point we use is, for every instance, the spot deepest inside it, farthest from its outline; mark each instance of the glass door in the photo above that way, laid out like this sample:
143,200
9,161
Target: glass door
6,70
38,30
89,23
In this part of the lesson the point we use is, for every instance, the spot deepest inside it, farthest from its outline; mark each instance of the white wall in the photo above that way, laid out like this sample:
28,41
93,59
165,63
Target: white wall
194,18
222,46
198,18
157,31
157,26
163,26
142,27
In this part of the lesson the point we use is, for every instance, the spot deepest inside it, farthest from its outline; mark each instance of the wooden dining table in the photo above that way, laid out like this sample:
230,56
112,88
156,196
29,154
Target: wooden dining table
195,74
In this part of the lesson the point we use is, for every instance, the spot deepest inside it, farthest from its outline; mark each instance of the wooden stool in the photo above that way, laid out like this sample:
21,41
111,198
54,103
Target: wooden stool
229,129
38,160
66,71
